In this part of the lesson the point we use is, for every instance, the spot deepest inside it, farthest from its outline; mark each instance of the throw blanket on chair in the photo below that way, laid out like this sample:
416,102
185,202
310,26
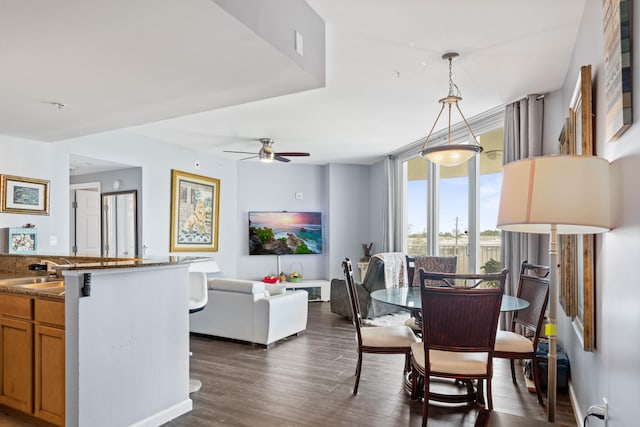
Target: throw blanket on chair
395,269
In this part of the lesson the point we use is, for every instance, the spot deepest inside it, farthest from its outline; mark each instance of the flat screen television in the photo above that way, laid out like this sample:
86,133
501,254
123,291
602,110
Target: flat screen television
285,233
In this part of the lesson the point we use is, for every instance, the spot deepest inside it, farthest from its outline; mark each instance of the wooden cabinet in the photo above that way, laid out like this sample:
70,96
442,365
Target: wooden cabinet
49,361
32,356
16,352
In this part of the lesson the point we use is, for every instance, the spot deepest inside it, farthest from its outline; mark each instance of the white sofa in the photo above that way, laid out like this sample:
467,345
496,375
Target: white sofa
244,310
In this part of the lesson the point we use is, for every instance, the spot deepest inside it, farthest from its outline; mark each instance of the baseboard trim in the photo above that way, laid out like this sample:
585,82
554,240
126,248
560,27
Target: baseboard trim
574,405
166,415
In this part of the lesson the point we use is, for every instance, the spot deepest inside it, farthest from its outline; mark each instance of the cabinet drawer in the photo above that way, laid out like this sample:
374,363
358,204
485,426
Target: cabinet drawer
16,306
51,312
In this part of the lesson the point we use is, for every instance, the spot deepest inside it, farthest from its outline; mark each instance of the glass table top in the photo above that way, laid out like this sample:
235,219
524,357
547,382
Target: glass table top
410,298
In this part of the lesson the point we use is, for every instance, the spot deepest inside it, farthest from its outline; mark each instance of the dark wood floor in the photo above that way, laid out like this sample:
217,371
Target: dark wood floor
308,380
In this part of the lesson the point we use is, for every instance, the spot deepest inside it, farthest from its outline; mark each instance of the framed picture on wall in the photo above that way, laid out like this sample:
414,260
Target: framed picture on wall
23,241
24,195
194,212
617,66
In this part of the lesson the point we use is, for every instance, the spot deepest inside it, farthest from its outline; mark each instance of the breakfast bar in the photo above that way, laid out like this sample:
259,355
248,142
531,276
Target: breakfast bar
125,339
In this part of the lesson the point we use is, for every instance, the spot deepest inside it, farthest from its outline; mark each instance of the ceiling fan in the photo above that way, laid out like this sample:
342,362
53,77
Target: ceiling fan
267,154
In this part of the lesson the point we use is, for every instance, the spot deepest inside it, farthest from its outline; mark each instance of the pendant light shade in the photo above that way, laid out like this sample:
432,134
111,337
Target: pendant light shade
450,154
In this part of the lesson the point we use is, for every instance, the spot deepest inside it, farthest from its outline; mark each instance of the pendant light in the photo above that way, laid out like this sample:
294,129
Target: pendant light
450,154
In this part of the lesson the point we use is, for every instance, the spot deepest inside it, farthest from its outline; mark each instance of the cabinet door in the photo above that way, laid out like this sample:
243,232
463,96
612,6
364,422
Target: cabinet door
49,374
16,364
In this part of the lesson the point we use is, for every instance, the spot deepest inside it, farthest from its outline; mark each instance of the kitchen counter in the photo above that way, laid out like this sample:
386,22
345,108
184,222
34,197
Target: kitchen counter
126,336
58,292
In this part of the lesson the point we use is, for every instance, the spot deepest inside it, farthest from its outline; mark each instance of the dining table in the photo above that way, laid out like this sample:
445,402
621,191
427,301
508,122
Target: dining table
410,298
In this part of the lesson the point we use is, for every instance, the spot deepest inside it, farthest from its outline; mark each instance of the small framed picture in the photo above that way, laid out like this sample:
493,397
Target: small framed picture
23,240
24,195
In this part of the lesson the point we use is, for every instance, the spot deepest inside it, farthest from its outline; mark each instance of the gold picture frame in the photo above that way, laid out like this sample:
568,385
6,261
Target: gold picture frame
195,207
577,284
22,195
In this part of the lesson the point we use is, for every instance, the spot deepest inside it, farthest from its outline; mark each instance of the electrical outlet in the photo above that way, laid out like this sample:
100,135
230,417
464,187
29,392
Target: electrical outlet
53,240
298,196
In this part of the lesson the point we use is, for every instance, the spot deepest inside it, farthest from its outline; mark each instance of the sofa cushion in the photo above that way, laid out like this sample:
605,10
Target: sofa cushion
275,289
236,285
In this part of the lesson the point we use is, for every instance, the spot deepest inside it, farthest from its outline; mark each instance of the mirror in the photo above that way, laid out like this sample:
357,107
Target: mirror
119,224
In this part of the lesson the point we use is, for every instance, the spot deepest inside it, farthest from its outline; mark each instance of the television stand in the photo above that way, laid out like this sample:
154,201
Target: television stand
318,290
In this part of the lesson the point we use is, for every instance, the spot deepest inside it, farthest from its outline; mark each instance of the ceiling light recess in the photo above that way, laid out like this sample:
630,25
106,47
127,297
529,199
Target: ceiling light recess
450,154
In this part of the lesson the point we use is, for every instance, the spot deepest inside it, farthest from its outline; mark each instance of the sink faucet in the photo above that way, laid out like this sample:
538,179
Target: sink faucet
50,266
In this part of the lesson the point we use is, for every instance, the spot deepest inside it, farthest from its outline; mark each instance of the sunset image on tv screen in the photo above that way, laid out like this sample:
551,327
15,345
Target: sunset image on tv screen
282,233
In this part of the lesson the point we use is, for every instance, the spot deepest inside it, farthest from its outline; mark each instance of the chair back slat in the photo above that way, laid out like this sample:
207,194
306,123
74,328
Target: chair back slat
460,319
533,287
463,280
353,297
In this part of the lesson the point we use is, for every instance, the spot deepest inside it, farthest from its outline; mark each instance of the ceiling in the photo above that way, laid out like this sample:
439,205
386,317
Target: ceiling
211,75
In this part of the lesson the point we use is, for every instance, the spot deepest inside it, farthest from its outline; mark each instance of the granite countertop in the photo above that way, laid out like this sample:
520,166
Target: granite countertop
55,291
133,262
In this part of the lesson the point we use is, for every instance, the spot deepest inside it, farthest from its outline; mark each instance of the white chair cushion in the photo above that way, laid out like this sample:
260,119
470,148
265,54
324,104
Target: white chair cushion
235,285
451,362
513,343
387,336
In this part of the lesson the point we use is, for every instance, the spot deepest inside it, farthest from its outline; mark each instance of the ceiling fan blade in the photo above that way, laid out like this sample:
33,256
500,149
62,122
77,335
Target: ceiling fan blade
239,152
250,157
293,154
282,159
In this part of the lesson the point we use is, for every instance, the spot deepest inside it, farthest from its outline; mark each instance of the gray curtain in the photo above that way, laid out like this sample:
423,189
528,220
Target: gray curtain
523,124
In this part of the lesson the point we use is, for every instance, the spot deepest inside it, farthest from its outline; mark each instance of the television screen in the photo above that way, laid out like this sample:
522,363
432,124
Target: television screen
285,233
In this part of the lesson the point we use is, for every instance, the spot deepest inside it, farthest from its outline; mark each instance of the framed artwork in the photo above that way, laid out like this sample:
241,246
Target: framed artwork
194,212
23,241
24,195
617,66
577,259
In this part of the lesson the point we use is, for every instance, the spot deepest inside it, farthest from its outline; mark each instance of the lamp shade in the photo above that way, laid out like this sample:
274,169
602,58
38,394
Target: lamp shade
571,192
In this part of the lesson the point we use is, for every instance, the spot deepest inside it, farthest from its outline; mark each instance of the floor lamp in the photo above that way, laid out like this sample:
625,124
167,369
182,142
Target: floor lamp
555,195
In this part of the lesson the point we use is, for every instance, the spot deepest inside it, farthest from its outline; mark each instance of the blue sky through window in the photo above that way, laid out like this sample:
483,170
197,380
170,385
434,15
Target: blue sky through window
453,203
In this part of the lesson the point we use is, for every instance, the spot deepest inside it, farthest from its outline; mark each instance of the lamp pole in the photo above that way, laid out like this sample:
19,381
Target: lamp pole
550,328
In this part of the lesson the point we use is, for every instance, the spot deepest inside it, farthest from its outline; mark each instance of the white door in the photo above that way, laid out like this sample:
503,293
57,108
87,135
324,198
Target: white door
87,223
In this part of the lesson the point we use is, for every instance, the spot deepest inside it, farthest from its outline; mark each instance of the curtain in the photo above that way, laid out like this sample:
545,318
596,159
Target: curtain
390,235
523,125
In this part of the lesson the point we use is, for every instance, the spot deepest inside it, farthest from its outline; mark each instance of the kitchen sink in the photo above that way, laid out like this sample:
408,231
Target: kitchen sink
44,285
33,282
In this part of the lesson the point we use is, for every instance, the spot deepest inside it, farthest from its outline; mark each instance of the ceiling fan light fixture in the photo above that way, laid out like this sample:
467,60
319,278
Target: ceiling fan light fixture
450,154
266,153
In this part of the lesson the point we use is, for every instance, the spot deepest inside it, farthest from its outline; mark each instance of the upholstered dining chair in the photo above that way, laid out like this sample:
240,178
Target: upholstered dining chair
459,326
376,339
443,264
521,341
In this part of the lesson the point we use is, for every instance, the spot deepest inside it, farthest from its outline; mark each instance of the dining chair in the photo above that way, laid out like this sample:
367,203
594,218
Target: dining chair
521,341
376,339
459,327
444,264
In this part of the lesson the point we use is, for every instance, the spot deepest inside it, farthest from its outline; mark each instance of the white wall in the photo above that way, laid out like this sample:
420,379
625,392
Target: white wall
272,187
343,193
612,370
350,211
31,159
